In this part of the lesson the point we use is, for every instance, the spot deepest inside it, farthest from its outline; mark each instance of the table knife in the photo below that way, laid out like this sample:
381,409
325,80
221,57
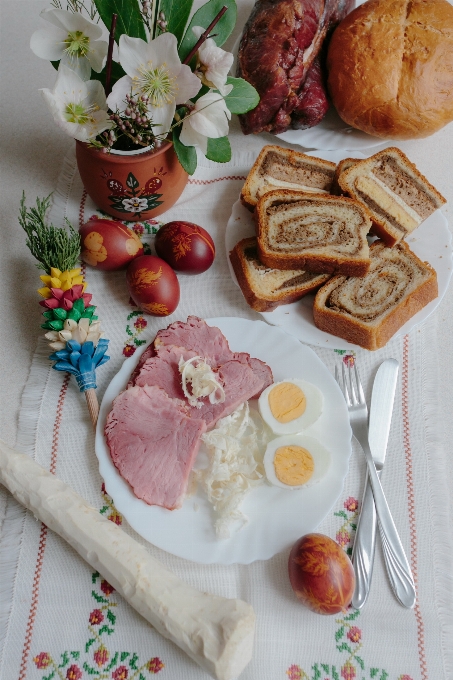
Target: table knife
380,417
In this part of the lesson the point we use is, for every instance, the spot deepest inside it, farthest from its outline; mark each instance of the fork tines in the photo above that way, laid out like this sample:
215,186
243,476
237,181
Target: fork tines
353,395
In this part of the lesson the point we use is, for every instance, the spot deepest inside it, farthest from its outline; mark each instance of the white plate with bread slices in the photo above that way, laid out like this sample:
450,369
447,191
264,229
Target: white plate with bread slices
428,257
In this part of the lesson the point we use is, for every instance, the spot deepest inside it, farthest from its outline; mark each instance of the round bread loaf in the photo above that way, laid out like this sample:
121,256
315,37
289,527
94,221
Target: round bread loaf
390,65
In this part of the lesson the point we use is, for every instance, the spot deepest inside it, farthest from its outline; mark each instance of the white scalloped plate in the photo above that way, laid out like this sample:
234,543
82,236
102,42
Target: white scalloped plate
431,242
277,517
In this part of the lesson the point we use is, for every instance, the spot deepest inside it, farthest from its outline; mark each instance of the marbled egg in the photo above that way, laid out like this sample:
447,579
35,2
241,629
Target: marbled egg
153,285
186,247
108,244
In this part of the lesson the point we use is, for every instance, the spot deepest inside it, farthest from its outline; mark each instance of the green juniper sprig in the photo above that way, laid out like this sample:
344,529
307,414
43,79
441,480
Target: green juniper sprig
51,246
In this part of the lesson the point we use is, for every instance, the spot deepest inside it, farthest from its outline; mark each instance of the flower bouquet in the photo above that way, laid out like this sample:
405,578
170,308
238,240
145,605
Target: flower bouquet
165,80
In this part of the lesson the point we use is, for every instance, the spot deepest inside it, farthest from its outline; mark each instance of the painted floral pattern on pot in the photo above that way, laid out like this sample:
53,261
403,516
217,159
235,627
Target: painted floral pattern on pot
348,635
134,198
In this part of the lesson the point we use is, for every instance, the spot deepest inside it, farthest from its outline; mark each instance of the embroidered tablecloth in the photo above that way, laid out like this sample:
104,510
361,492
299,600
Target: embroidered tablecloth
58,619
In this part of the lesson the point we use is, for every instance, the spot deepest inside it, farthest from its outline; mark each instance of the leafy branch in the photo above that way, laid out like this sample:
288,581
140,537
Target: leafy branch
51,246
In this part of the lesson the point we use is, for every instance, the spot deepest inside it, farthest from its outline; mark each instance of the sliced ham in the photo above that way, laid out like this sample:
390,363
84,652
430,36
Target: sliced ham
153,444
209,343
238,379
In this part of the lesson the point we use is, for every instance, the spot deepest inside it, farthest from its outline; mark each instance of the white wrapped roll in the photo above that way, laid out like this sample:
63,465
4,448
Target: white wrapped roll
216,632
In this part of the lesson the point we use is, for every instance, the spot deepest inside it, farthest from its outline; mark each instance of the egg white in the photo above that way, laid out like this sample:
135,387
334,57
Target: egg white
313,409
321,458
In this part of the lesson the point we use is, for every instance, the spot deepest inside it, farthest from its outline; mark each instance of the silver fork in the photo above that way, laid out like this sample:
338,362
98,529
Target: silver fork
396,562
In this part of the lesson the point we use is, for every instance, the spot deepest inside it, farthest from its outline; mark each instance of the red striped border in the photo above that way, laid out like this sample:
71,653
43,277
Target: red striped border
411,506
43,535
82,208
200,182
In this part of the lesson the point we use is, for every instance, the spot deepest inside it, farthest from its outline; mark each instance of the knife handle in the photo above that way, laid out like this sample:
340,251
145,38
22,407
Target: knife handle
363,549
363,555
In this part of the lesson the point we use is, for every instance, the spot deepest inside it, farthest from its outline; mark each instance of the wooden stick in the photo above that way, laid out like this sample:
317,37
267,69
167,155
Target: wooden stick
205,35
216,632
108,70
93,405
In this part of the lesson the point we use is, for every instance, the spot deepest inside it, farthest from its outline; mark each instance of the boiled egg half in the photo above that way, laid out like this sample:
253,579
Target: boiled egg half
290,406
295,461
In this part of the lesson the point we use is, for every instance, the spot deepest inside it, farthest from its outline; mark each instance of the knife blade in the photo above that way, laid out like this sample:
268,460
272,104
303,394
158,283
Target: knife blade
380,418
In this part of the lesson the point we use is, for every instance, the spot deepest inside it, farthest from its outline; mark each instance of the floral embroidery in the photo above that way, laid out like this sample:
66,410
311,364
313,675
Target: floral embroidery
139,326
348,356
344,536
348,636
114,516
103,663
42,660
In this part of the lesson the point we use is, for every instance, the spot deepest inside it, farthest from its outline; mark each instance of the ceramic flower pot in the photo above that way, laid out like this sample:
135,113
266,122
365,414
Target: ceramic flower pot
132,185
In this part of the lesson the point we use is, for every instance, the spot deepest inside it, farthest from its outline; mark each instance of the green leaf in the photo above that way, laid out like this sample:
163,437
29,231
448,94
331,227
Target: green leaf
129,18
341,513
124,655
111,617
133,662
360,661
344,648
90,642
64,660
104,509
75,655
49,677
339,634
112,663
325,667
243,97
94,576
335,675
132,182
373,672
99,598
187,155
176,15
203,17
105,629
219,150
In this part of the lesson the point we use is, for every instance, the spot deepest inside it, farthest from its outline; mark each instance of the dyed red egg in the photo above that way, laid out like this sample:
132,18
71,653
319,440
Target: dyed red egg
153,285
108,244
186,247
321,574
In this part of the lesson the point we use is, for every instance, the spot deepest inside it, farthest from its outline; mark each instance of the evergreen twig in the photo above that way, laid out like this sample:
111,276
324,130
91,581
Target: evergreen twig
51,246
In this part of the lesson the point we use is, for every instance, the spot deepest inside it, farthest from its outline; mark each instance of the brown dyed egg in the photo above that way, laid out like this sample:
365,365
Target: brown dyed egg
186,247
153,285
321,574
108,244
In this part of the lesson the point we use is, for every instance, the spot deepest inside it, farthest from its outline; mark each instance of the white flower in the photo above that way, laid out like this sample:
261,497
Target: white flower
215,63
78,107
154,70
72,39
209,118
135,204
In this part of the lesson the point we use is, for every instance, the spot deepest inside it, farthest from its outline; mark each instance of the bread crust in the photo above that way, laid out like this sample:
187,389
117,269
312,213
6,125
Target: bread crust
390,68
322,264
379,225
360,333
259,302
293,156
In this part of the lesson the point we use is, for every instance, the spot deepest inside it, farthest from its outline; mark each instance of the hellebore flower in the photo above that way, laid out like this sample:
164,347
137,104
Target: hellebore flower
209,118
154,72
71,39
215,63
78,107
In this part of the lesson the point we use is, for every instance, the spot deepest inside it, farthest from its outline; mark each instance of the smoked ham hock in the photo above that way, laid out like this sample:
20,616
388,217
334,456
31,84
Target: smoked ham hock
280,54
216,632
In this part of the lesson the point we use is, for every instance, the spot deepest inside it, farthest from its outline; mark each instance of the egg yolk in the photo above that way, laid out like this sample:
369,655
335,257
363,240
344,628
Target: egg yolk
293,465
287,402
